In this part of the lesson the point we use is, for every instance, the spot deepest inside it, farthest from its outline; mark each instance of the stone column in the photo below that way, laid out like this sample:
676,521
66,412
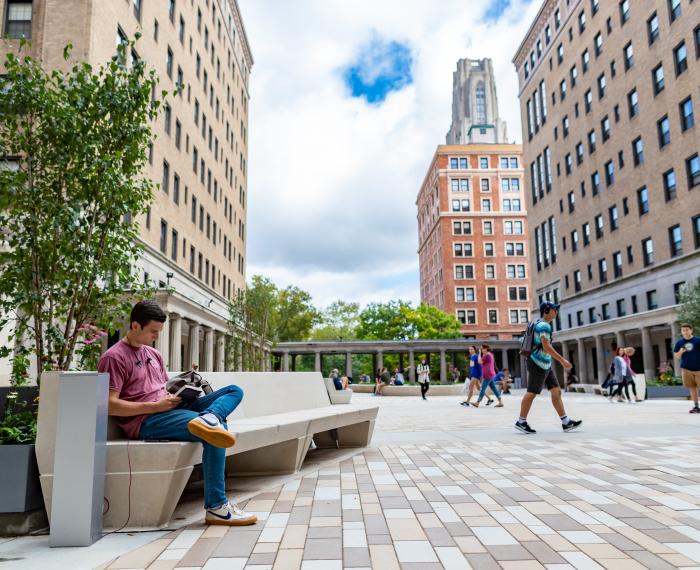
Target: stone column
348,364
220,362
380,359
317,361
601,361
239,354
648,354
620,338
443,367
663,351
411,366
294,362
285,361
175,342
582,368
208,350
565,351
163,342
675,335
194,346
504,358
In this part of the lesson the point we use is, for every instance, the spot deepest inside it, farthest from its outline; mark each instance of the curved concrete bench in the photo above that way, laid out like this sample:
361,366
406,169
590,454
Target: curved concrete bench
435,390
275,423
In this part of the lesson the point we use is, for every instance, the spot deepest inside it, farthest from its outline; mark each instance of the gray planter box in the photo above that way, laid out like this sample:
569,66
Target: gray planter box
20,490
667,392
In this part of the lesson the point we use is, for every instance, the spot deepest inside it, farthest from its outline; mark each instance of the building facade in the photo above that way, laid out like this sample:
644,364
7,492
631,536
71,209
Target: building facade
608,95
475,117
195,231
472,239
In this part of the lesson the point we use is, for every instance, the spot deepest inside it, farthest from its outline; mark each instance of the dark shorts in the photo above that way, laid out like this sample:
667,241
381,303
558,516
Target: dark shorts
537,378
338,383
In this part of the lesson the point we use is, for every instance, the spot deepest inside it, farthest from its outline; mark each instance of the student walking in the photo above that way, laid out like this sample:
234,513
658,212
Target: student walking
423,378
474,377
540,373
488,372
688,350
629,379
619,373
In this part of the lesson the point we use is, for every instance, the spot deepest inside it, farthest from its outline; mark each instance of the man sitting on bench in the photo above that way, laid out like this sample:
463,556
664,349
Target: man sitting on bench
145,410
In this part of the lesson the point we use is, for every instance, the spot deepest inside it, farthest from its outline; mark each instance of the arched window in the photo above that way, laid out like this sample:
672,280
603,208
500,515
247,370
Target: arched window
480,104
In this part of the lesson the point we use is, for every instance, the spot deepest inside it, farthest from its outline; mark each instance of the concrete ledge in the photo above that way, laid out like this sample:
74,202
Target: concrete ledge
435,390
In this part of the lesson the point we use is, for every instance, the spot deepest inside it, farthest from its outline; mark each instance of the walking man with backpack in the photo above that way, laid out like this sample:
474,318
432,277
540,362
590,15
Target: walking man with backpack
537,346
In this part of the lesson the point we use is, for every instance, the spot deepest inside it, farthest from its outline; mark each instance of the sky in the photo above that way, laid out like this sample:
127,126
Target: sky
349,99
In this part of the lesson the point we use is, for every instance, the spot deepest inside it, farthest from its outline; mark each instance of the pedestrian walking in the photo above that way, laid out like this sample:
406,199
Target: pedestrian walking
539,370
423,378
688,350
619,373
474,376
488,372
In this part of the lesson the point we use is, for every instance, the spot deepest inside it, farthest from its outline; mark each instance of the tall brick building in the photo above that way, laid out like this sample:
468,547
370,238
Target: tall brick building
195,232
472,238
608,96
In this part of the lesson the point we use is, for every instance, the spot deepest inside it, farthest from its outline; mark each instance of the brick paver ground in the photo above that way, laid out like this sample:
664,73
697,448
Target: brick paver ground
556,501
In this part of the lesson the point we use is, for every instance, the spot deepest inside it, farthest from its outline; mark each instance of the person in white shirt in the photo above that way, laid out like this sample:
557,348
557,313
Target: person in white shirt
423,378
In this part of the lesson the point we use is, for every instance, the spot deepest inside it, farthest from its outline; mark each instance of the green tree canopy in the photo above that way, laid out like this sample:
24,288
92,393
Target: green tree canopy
74,145
432,323
689,310
295,316
338,321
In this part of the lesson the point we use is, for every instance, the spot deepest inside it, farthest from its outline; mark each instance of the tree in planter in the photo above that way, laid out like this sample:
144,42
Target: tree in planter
689,310
74,144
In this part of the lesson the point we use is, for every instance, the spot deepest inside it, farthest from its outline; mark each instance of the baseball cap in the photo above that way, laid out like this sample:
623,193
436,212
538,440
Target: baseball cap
547,305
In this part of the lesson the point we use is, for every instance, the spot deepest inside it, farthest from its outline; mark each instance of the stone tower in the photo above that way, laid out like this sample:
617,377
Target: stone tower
475,105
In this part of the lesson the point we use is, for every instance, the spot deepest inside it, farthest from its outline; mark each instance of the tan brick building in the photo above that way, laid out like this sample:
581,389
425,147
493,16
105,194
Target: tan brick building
195,233
472,238
608,94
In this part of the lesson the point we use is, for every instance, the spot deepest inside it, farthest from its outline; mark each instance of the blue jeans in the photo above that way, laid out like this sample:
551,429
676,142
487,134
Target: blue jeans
486,384
172,425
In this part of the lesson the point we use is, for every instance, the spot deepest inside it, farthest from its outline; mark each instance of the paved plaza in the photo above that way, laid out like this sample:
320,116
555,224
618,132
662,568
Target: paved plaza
448,487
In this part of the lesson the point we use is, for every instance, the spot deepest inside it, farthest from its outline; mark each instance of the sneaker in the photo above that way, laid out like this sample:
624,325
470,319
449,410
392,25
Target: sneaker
489,401
499,405
475,404
572,425
229,515
464,404
695,410
208,428
524,427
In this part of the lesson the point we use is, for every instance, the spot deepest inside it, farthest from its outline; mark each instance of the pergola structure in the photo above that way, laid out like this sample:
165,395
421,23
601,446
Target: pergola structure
505,352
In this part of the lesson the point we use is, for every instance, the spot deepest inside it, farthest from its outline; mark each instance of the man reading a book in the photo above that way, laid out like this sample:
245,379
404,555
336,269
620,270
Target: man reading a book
145,410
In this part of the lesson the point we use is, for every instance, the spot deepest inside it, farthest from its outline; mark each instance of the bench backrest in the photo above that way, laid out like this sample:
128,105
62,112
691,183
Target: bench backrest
268,393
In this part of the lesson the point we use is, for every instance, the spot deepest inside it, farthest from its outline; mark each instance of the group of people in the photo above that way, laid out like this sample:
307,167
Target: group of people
621,377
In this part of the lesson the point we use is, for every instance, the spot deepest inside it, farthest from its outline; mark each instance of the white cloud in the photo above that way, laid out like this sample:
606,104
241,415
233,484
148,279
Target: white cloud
333,180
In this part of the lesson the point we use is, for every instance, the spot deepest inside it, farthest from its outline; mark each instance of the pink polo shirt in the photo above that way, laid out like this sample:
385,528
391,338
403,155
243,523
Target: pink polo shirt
138,375
488,369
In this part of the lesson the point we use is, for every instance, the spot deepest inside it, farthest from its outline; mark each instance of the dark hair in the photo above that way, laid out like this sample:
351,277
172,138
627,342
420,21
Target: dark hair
473,347
687,326
486,346
146,311
505,370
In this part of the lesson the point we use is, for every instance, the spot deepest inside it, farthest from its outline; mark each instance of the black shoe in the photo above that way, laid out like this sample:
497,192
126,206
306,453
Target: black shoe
572,425
489,402
425,398
695,410
524,427
464,404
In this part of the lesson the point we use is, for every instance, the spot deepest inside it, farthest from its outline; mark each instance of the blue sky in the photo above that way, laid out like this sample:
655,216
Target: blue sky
381,67
349,99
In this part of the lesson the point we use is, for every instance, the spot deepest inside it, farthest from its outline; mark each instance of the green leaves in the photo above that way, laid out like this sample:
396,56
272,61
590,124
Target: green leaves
689,310
79,143
398,320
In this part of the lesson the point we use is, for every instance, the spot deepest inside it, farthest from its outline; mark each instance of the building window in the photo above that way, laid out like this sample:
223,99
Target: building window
167,116
680,58
653,28
488,250
669,184
588,101
696,231
696,34
687,117
173,245
674,10
617,264
165,184
591,315
493,316
606,311
664,130
657,78
643,200
491,294
628,54
176,189
599,226
630,255
675,240
574,241
638,151
483,163
603,270
648,251
486,205
692,167
169,63
678,291
633,103
591,142
485,185
585,60
621,310
18,20
163,236
614,218
609,173
652,301
577,281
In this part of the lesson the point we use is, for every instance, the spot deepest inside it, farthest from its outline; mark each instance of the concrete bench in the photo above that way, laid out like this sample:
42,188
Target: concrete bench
281,413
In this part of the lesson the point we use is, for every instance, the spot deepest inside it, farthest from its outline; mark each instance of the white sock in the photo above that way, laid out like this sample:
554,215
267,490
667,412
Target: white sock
564,420
522,420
